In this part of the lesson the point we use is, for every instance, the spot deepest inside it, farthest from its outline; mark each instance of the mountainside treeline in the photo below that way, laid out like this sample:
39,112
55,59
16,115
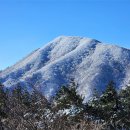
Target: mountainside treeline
23,110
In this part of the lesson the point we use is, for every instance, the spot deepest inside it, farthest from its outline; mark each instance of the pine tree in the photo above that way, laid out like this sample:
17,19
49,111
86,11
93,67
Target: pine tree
67,97
109,105
125,107
105,106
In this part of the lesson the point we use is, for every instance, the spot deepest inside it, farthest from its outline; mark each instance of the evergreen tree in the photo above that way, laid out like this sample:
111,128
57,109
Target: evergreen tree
3,99
21,96
67,96
105,106
109,105
110,96
125,107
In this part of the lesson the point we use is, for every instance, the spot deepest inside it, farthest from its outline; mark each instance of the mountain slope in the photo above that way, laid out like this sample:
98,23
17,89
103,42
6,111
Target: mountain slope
91,63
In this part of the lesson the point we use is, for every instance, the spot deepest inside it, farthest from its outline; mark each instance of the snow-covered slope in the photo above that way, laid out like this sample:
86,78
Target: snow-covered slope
91,63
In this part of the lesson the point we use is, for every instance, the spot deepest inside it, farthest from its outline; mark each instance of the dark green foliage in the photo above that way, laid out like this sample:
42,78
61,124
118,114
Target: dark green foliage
112,107
109,101
109,105
110,94
67,97
125,98
21,95
125,106
3,98
22,110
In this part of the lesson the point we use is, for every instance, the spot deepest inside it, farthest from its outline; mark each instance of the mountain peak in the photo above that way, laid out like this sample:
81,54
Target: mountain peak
89,62
63,37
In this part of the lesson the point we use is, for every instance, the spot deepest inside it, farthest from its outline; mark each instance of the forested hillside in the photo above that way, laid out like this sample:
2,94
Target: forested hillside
22,110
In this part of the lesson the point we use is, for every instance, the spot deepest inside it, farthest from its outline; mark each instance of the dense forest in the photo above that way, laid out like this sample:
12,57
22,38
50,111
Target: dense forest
23,110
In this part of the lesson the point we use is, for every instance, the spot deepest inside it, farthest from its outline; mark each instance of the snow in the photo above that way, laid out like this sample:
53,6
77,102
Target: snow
91,63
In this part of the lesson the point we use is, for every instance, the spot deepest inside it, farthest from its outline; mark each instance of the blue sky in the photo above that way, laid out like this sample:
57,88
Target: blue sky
26,25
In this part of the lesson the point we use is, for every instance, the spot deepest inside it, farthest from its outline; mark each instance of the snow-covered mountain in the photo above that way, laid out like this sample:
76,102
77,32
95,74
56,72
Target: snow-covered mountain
91,63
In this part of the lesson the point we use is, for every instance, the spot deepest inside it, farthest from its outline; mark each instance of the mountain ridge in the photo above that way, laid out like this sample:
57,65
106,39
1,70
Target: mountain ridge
90,62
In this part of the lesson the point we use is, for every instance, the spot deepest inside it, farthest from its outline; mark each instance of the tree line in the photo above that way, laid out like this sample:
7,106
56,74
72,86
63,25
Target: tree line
24,110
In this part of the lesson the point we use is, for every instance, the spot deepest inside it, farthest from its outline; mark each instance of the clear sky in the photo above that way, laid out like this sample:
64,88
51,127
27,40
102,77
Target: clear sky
26,25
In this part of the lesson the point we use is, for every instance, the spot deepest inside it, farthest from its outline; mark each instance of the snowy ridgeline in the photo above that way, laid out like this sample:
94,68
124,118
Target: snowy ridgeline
91,63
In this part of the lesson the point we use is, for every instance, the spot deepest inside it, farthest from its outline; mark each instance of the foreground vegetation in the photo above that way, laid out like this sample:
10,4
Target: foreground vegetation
21,110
